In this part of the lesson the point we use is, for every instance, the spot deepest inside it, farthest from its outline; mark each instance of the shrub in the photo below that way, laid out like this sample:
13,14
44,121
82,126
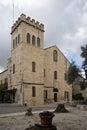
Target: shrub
78,96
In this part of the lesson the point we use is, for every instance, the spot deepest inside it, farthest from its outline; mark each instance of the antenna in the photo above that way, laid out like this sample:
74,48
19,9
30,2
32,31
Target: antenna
13,11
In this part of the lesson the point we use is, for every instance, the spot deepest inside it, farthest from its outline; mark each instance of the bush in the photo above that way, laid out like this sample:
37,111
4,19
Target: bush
84,102
78,96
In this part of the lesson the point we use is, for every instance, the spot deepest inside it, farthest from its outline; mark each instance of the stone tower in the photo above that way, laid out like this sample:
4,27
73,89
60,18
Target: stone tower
27,30
26,63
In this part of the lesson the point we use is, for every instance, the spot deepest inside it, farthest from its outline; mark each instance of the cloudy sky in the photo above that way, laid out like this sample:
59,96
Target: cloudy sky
65,24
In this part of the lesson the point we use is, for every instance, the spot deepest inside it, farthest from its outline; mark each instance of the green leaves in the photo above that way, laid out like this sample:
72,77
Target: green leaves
1,88
84,55
72,73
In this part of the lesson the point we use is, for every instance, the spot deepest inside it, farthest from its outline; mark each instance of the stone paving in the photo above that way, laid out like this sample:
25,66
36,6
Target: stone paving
15,108
76,119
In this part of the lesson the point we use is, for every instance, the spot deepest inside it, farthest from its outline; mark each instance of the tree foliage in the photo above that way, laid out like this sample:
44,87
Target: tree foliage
1,87
78,96
84,55
72,73
1,92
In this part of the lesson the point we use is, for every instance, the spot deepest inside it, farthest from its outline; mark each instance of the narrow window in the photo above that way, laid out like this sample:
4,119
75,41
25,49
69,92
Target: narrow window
33,91
16,41
33,66
45,94
55,56
5,82
65,76
66,95
28,38
38,42
18,38
33,40
13,43
44,73
55,74
13,68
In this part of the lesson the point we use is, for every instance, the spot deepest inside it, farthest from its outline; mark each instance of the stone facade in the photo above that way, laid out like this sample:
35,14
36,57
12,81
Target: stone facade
37,74
3,77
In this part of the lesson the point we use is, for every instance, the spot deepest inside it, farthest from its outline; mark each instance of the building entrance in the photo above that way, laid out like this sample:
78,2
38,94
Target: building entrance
55,97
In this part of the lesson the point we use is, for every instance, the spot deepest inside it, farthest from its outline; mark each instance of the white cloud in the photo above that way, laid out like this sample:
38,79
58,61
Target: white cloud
6,2
25,3
1,69
32,4
65,23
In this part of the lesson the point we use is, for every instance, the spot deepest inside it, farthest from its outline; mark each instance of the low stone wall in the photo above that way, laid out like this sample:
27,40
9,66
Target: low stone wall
82,107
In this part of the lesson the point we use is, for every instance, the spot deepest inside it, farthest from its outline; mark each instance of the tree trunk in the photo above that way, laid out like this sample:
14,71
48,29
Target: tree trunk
61,109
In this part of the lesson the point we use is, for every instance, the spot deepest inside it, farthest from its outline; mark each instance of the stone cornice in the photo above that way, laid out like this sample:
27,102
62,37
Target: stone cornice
28,21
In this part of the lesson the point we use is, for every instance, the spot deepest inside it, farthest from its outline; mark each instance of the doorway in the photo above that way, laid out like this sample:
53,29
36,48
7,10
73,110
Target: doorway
55,97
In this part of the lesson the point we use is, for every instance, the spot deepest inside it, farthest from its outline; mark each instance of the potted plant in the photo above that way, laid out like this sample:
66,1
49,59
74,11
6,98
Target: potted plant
46,118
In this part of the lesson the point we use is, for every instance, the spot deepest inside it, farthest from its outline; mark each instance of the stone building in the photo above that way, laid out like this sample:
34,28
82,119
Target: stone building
35,74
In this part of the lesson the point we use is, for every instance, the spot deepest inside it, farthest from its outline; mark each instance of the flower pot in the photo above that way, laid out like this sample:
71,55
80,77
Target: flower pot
46,118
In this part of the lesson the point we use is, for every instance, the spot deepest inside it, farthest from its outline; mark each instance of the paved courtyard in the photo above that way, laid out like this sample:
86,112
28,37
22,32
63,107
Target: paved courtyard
14,108
76,119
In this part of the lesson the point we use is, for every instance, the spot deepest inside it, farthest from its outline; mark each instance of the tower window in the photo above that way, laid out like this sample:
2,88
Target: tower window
28,38
18,38
55,74
13,68
13,43
55,55
38,42
33,66
16,41
33,91
33,40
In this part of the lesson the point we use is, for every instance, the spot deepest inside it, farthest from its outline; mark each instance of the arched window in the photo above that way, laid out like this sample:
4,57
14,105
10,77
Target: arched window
33,66
55,74
55,55
33,91
28,38
38,42
33,40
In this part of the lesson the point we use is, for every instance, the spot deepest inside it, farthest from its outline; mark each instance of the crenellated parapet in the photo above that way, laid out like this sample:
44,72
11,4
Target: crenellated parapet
29,21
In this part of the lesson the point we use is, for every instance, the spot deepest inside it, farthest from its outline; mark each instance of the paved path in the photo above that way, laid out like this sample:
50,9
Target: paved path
11,108
14,108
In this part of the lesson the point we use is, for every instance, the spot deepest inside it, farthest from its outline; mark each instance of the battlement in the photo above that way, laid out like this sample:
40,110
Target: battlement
29,21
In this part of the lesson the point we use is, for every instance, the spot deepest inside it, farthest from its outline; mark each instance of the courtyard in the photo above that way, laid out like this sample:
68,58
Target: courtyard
76,119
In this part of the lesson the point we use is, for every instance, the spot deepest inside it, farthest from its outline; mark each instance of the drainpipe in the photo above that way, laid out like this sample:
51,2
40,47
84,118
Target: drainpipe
22,85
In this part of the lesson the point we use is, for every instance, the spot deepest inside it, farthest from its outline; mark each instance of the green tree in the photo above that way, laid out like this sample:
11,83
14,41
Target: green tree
84,55
72,73
1,93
